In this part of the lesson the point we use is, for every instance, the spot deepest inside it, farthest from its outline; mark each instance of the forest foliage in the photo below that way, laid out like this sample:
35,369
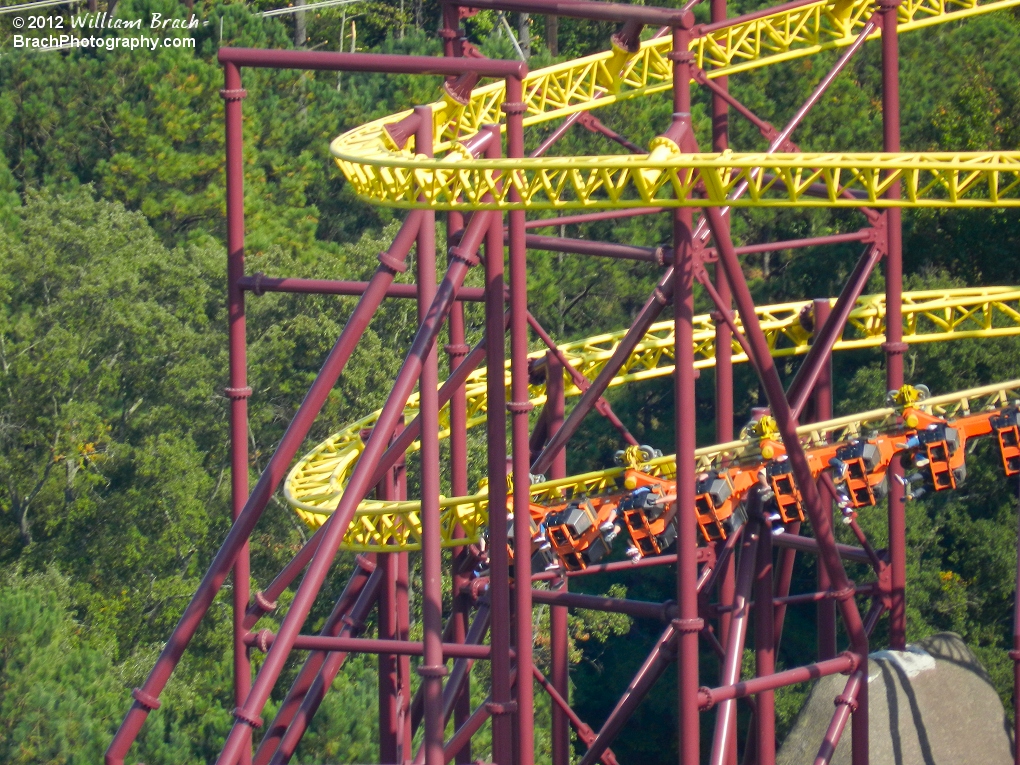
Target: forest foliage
114,492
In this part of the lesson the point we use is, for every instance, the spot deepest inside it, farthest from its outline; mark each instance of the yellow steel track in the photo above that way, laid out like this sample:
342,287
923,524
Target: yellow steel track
315,485
382,174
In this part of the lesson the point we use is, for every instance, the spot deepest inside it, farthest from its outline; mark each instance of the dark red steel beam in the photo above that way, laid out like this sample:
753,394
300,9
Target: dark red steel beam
259,284
826,335
559,642
146,698
651,670
519,407
894,346
369,62
839,665
725,721
238,390
704,555
329,665
845,703
495,429
582,218
688,622
765,652
345,614
820,519
368,645
807,544
339,521
601,406
433,667
660,255
584,731
792,244
637,608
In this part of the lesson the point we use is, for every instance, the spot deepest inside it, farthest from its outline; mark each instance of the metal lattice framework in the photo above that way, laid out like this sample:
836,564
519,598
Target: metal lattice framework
316,483
727,520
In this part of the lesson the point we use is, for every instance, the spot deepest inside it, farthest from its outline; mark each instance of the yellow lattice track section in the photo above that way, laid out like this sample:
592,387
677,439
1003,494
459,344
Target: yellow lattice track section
382,175
316,483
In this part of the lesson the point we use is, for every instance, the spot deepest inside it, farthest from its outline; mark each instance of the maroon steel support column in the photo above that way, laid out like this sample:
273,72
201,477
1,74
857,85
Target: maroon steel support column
433,666
501,705
350,609
388,678
331,662
238,390
559,675
725,721
821,409
519,406
457,349
723,357
688,624
764,651
894,346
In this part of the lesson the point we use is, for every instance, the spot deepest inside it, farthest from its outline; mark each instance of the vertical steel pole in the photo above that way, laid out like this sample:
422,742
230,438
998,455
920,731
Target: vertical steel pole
519,407
238,390
433,667
501,706
765,655
558,642
821,409
388,678
456,350
894,346
688,624
723,362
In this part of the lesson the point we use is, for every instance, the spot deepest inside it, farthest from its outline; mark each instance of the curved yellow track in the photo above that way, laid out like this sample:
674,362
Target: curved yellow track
315,485
382,174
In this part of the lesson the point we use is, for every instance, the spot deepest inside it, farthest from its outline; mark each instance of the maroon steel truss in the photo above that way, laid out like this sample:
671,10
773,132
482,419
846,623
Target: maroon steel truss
749,566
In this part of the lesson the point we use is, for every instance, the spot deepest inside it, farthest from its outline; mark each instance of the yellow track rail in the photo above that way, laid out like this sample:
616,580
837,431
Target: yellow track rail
315,485
383,175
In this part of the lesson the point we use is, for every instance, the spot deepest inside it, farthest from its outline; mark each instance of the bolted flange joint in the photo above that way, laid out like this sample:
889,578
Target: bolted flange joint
709,702
264,639
457,350
236,394
855,662
514,107
501,708
846,593
251,720
464,256
233,94
1014,655
264,603
681,56
519,407
847,702
147,700
438,670
897,348
397,265
685,626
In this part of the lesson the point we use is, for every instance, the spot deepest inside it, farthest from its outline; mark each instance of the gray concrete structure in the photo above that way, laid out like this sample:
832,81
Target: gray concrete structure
932,704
